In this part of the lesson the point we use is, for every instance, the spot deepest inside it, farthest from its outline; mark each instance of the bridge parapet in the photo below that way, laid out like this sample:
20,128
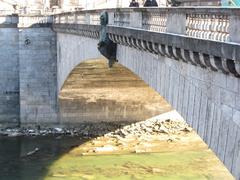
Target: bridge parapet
23,21
34,20
218,24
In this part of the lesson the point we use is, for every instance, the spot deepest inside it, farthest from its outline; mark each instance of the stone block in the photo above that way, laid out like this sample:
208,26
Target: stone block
219,79
236,158
226,118
228,98
202,122
176,23
238,102
234,28
186,96
180,94
196,109
236,117
230,147
215,130
232,83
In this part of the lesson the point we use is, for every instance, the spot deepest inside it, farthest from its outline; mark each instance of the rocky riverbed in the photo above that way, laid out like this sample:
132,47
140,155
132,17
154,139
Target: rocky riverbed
148,127
83,130
151,135
162,147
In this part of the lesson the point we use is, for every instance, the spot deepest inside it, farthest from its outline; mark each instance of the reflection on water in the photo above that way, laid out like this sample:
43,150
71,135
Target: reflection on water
16,164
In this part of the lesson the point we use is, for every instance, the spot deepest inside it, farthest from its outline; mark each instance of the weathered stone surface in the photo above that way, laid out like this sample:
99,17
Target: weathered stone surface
9,77
210,86
38,76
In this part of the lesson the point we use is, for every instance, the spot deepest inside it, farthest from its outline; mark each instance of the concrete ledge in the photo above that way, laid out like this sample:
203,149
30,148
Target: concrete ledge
8,25
86,30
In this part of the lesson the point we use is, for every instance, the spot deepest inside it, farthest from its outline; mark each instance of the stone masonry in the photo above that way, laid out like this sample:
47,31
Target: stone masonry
28,71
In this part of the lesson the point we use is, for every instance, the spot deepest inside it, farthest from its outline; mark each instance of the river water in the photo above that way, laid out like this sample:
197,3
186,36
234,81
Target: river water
16,164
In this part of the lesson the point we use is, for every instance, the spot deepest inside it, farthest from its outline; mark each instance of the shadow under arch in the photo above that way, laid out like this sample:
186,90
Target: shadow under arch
94,93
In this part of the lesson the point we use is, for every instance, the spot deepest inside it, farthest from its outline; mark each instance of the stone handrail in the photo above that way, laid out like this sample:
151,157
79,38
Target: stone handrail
218,24
23,21
9,20
34,20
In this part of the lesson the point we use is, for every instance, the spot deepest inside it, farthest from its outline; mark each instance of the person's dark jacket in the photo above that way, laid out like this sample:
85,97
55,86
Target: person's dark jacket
134,4
150,3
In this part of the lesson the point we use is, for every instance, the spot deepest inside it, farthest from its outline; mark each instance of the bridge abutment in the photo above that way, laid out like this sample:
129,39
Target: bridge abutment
38,76
9,75
28,90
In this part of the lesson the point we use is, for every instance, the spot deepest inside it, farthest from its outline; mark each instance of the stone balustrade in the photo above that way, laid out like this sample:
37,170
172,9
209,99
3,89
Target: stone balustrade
217,24
34,20
208,26
8,20
20,21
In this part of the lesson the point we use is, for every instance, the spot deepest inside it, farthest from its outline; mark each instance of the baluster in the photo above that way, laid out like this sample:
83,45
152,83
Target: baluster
202,24
187,24
191,25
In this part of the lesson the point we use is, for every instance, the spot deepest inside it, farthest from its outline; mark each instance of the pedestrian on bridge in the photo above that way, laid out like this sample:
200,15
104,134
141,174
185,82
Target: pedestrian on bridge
134,4
150,3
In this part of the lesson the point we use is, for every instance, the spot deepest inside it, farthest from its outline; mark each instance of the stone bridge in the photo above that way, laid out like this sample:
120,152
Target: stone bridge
191,56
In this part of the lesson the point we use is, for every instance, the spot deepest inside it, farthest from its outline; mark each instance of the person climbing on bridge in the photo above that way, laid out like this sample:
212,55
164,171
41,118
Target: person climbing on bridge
134,4
150,3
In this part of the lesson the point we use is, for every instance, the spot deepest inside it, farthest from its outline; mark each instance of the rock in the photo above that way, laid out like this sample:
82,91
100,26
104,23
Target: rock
32,152
107,148
162,129
14,134
140,151
156,170
31,131
187,129
58,129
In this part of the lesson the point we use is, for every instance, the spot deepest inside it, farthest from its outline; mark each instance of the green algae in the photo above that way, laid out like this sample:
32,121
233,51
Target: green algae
172,166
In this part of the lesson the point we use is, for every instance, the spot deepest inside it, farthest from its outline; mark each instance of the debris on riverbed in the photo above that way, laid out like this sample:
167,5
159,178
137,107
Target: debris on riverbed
32,152
167,126
152,135
139,129
83,130
152,127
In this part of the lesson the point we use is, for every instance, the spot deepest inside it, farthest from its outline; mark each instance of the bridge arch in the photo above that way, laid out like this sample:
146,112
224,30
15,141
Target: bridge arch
71,51
93,93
